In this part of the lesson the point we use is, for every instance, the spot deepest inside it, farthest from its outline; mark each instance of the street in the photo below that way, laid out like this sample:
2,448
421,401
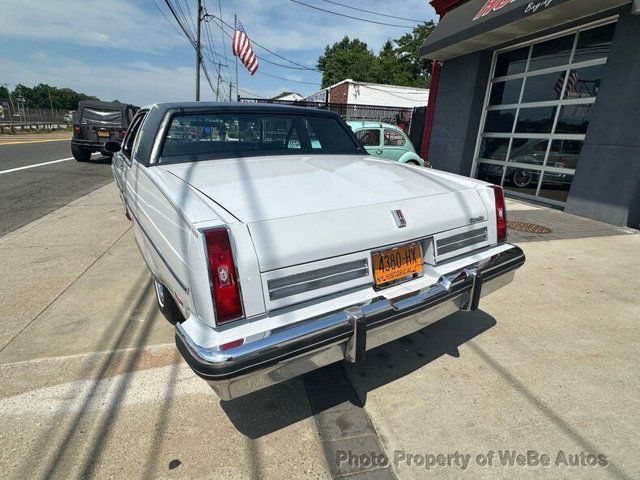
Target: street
30,193
93,386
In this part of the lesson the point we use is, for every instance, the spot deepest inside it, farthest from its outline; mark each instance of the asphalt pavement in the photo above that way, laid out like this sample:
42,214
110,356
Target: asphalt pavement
32,192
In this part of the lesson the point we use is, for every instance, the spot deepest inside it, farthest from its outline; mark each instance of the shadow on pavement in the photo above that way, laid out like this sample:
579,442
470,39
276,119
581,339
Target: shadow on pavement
68,427
102,159
273,408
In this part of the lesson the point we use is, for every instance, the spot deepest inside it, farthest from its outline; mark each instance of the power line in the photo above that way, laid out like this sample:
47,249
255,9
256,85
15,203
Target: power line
184,30
181,21
349,16
370,11
260,71
167,18
190,16
287,79
396,95
302,67
224,48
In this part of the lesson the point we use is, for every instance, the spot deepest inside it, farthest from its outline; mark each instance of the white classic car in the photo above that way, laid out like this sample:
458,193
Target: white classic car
277,245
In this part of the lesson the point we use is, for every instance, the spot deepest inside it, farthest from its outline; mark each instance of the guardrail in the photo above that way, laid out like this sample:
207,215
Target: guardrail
18,117
36,126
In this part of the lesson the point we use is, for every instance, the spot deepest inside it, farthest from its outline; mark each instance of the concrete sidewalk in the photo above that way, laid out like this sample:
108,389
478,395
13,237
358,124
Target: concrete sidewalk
92,384
550,364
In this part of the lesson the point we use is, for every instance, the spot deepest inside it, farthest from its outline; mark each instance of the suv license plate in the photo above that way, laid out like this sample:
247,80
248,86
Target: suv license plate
397,263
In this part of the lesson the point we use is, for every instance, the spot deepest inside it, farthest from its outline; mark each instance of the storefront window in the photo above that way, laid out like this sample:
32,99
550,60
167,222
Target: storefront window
500,121
594,43
551,53
541,88
510,63
584,82
503,93
538,111
494,148
574,119
535,120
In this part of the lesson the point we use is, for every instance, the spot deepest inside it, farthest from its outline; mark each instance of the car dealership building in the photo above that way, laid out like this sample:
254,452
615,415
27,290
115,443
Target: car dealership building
542,97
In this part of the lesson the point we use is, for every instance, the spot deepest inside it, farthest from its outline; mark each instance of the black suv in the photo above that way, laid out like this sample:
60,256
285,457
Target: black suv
95,123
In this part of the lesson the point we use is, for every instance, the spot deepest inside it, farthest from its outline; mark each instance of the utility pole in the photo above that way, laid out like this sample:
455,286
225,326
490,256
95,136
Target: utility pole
50,105
204,17
235,25
230,90
198,56
218,84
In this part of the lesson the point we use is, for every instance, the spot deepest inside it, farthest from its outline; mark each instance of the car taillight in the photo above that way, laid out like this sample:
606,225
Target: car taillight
501,214
76,129
232,344
222,273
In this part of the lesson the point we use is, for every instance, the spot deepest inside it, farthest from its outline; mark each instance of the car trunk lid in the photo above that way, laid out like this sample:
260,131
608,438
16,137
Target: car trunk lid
304,208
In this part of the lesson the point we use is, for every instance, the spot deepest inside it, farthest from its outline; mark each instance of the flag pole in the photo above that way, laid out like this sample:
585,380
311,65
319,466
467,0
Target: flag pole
235,25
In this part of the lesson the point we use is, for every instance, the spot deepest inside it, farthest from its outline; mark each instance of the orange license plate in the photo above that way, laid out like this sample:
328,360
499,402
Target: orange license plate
397,263
103,133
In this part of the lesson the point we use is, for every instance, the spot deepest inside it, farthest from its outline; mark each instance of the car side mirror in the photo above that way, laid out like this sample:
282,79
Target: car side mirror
112,146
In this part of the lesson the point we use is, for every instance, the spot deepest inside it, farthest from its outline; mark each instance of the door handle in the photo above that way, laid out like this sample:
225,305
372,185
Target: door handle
379,152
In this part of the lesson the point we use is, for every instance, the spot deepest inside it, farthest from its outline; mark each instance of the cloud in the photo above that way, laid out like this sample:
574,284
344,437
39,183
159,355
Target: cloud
287,26
98,23
126,49
140,83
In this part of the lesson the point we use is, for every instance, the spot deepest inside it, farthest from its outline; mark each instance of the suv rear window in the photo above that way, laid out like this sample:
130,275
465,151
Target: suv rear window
101,116
226,135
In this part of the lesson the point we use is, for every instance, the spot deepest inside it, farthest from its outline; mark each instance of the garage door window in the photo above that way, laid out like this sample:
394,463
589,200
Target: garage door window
537,112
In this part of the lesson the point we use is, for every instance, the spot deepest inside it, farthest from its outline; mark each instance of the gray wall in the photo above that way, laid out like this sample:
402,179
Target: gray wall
607,181
461,91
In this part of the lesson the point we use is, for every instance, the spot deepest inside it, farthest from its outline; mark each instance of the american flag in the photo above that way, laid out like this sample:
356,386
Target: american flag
572,82
242,49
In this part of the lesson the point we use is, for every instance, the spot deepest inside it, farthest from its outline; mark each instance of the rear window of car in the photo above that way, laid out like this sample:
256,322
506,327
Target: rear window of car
369,137
227,135
101,116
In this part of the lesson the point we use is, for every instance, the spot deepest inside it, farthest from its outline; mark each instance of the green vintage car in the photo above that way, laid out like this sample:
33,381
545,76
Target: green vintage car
386,141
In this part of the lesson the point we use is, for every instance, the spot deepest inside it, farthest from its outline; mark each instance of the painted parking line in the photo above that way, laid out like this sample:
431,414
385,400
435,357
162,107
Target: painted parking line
37,165
35,141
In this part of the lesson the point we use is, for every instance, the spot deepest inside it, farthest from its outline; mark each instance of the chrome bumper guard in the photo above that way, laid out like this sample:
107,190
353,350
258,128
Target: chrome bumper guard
346,334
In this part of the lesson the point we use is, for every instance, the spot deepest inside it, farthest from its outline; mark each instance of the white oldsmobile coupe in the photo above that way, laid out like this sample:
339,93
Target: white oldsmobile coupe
278,246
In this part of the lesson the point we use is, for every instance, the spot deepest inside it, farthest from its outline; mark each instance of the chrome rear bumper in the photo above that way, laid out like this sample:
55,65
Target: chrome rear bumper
345,334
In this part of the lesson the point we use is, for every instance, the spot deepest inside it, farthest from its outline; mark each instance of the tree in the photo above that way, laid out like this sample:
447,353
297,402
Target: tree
346,59
4,92
397,63
408,51
45,96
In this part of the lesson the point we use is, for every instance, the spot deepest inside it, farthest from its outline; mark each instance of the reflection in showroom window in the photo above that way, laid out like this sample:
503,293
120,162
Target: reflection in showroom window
538,109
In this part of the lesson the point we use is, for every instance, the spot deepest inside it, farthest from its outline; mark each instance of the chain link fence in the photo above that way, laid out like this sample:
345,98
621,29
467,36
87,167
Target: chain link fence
16,117
410,120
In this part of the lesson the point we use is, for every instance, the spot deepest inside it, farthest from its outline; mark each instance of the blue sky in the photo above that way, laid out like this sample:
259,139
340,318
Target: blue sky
126,49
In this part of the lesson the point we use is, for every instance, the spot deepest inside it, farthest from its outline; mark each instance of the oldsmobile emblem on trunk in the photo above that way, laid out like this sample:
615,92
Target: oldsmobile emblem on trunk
399,218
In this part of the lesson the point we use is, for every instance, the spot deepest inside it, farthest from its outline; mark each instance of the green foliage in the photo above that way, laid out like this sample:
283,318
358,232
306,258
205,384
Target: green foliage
45,96
397,63
346,59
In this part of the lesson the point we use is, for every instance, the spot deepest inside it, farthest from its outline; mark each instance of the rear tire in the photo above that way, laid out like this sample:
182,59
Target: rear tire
80,154
167,304
413,162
